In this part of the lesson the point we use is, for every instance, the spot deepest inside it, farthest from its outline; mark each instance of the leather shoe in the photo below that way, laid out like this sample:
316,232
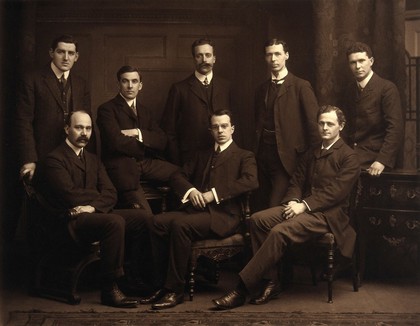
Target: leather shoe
171,299
229,301
133,287
155,297
115,298
271,290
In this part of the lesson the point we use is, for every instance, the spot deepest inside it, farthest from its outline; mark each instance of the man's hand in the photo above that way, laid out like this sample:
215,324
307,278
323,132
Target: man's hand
291,210
376,168
75,211
28,168
130,132
197,199
208,197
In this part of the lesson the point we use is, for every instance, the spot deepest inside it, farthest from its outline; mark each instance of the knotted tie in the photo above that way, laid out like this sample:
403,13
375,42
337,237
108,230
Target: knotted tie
81,157
133,107
206,82
63,81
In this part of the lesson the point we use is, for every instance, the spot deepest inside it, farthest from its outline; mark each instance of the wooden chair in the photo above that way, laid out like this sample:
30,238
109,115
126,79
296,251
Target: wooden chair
218,250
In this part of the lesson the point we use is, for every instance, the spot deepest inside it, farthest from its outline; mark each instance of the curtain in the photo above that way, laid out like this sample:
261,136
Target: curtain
337,23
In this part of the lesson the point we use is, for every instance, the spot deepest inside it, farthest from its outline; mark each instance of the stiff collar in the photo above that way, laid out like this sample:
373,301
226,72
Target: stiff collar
282,74
75,149
364,82
58,73
201,77
129,101
224,146
328,147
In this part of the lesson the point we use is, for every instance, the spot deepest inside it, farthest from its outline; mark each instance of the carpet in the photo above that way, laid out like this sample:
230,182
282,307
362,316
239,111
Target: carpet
224,318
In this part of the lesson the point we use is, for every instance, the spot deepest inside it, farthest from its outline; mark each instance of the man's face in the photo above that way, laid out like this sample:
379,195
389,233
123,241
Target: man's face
276,58
360,65
64,56
80,129
329,128
130,85
204,58
221,128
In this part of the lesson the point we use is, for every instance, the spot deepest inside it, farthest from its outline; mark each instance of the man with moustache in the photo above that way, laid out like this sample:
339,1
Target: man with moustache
44,100
210,185
75,183
191,102
285,113
373,105
132,142
316,202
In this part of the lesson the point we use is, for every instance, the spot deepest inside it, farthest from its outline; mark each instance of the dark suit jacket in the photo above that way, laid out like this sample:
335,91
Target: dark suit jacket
295,111
65,182
325,182
374,121
234,173
40,114
186,115
121,153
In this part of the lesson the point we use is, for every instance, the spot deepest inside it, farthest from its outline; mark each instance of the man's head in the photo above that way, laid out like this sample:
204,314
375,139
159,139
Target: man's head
276,55
78,128
360,60
129,81
331,121
203,53
221,126
63,52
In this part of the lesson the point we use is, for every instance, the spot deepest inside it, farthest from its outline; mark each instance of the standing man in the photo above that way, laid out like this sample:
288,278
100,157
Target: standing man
210,186
373,107
44,100
75,181
132,142
191,102
315,203
285,113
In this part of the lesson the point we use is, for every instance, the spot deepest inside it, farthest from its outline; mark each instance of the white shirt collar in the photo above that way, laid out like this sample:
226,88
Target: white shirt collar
282,74
364,82
129,101
58,73
328,147
201,77
224,146
75,149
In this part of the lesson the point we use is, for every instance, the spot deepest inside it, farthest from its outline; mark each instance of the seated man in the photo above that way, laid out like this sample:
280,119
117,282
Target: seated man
132,142
315,203
75,181
210,186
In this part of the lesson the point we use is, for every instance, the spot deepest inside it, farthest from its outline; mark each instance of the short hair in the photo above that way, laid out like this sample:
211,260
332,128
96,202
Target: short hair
276,41
65,38
67,121
359,47
125,69
329,108
222,112
202,41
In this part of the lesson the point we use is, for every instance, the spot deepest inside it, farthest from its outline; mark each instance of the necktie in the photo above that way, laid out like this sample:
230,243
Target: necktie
206,82
278,81
360,88
63,81
81,157
133,107
323,151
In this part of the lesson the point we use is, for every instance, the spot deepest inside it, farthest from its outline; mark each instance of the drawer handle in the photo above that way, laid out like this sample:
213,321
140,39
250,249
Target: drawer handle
394,242
373,191
411,194
375,220
412,225
392,221
392,191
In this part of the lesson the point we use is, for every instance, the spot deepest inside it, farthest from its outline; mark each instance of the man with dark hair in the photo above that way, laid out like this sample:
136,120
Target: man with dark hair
373,107
75,181
285,115
191,102
132,142
315,203
44,99
210,185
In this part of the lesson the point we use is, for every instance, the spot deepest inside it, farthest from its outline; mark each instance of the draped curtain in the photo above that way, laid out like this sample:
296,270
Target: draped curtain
337,23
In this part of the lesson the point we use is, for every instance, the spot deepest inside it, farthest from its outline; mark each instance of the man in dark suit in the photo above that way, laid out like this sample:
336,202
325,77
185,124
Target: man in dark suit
132,142
191,102
44,99
210,186
75,181
285,115
373,107
315,203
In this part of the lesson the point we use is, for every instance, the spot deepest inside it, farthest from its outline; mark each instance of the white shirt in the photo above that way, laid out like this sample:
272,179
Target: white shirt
364,82
77,150
201,77
130,102
58,73
282,74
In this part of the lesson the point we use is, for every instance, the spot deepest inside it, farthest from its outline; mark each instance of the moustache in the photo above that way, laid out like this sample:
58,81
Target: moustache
205,65
82,139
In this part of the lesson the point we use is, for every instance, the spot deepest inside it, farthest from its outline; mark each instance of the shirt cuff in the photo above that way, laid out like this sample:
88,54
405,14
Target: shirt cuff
185,199
140,136
216,198
306,204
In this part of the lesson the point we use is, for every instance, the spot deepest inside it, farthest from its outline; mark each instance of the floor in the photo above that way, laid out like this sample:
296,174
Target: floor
390,296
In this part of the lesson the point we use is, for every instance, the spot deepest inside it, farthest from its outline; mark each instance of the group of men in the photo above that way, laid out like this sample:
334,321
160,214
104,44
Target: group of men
302,170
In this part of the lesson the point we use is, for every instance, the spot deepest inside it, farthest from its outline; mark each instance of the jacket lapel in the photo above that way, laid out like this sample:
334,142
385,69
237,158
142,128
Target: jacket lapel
123,107
51,82
195,88
72,157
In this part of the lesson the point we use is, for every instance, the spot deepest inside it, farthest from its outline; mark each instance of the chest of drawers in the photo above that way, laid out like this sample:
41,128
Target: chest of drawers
388,224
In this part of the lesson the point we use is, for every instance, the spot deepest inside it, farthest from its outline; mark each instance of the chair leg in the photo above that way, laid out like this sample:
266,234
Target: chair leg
330,262
191,282
356,273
